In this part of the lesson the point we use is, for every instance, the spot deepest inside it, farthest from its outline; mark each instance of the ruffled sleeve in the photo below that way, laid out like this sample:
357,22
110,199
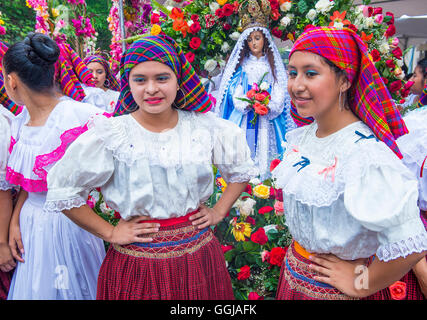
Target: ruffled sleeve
277,102
231,154
382,197
86,165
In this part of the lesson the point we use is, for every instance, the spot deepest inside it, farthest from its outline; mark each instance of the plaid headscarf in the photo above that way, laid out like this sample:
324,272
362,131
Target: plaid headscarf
113,83
4,99
423,98
369,97
70,72
164,49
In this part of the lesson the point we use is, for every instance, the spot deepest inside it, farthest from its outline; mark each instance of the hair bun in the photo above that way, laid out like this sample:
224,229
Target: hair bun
42,49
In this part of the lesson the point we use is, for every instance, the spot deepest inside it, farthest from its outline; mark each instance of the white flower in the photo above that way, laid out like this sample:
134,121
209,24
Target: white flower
264,86
210,65
384,48
369,22
286,6
338,25
222,63
246,207
214,6
190,23
324,6
255,181
269,227
285,21
311,15
225,47
235,36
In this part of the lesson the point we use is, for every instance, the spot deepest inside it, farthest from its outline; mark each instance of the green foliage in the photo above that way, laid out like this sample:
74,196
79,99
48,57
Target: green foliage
18,18
98,11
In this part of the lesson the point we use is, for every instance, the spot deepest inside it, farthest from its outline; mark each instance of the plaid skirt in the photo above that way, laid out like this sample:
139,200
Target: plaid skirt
296,281
181,263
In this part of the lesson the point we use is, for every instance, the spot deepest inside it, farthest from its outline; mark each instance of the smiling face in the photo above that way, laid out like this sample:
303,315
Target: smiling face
256,43
313,85
154,87
99,74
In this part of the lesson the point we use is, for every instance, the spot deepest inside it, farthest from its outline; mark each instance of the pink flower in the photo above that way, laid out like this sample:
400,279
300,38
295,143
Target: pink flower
278,207
254,296
265,256
379,18
2,30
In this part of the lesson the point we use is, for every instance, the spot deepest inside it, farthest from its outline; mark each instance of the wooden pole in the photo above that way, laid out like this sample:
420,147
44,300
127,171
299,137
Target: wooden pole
122,25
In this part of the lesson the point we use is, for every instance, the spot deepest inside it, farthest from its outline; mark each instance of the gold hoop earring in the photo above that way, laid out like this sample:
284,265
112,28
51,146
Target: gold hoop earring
185,99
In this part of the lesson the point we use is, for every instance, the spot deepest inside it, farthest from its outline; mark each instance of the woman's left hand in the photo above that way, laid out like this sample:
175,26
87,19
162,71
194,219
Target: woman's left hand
206,217
338,273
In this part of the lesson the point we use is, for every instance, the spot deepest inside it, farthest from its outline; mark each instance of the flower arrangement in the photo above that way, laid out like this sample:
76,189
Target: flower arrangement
254,238
207,30
68,21
258,98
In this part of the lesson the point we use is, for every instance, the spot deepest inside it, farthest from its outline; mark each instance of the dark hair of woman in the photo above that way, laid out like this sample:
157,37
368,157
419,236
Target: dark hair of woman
33,60
423,65
267,51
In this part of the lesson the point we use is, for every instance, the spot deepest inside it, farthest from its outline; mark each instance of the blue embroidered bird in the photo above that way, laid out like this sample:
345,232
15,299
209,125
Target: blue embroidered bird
303,163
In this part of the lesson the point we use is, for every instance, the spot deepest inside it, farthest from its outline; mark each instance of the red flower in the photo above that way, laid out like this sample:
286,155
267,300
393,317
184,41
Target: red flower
265,209
390,63
248,189
279,195
219,13
391,30
195,17
261,96
277,32
398,290
228,9
244,273
195,27
226,26
397,53
375,55
117,215
250,220
190,56
352,27
395,86
385,80
226,248
254,296
274,164
195,43
251,93
277,255
309,26
275,15
390,14
260,109
377,11
155,18
259,237
274,4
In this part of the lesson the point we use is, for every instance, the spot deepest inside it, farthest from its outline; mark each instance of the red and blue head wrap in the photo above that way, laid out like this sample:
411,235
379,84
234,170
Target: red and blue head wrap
423,98
113,83
368,96
161,48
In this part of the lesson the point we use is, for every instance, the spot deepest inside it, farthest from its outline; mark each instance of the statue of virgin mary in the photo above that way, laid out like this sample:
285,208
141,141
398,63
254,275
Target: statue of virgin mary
254,58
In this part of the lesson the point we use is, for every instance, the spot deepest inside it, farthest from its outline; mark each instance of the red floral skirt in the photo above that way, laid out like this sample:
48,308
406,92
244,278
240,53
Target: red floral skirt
181,263
5,278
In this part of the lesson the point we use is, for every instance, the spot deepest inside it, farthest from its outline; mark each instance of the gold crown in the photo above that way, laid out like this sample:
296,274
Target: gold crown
254,13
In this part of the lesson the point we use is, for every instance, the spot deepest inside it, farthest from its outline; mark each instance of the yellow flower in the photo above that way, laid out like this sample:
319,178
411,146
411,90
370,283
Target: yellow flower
1,22
240,230
261,191
55,12
155,29
28,5
220,182
221,2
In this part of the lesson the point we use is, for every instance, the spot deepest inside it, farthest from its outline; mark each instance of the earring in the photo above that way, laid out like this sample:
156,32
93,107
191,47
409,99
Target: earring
107,83
185,99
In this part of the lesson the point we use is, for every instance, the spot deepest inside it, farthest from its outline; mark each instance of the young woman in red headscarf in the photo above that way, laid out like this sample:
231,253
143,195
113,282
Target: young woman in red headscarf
153,163
350,203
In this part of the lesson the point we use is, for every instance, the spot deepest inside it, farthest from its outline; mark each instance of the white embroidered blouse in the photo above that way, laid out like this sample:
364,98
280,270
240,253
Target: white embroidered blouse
4,147
140,172
349,195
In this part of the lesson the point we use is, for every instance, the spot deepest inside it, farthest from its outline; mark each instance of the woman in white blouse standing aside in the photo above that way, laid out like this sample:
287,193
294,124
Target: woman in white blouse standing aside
153,164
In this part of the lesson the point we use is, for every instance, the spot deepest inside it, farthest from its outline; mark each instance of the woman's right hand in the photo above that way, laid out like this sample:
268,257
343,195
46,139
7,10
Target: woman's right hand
6,259
133,230
15,241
